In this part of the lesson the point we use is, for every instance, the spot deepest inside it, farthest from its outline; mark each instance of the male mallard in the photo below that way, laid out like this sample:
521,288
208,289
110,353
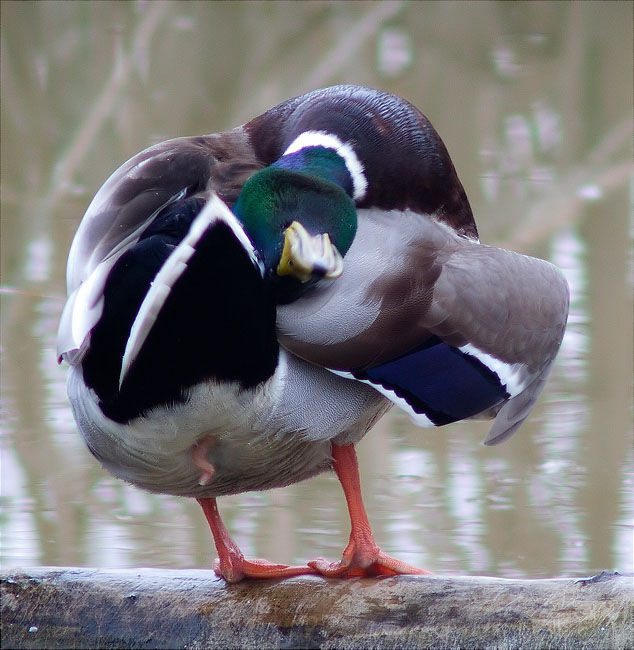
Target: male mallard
244,306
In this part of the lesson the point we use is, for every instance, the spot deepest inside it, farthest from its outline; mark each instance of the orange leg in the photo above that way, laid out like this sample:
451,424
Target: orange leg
362,556
231,564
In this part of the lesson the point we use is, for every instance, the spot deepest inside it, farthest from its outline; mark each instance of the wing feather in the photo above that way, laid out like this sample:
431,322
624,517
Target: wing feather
127,204
424,312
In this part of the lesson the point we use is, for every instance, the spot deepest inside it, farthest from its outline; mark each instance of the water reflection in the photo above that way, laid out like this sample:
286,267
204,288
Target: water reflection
542,142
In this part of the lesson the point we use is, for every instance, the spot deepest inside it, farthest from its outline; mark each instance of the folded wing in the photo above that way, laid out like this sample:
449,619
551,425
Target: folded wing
447,328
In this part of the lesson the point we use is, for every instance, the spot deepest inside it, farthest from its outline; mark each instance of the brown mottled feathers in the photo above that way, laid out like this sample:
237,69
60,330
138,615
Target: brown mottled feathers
402,286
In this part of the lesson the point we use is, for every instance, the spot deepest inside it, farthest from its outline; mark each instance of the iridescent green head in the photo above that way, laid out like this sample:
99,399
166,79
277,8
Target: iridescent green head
295,219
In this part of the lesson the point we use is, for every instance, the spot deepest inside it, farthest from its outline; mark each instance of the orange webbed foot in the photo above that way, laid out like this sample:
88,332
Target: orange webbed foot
237,568
231,564
382,565
362,557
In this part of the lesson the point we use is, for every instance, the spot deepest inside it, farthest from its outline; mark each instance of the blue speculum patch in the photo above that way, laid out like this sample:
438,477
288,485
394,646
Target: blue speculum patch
440,382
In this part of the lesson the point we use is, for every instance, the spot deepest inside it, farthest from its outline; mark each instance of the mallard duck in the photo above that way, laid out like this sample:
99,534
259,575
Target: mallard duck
244,306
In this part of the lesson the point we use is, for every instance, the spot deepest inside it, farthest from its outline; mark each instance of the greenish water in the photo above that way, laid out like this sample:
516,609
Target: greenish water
534,102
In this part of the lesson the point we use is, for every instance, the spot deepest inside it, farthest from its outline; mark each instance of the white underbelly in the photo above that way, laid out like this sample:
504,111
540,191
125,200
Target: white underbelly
276,434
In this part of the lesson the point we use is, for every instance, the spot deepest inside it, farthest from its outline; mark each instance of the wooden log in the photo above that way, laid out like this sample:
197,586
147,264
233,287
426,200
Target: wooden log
151,608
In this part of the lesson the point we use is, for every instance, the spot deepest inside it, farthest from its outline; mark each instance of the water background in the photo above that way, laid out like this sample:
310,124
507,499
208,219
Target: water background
534,102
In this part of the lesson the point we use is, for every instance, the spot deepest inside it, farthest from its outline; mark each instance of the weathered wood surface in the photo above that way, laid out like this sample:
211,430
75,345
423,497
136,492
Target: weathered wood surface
151,608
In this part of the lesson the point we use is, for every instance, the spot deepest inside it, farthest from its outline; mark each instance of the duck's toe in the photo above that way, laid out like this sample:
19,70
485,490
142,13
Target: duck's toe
358,563
237,568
